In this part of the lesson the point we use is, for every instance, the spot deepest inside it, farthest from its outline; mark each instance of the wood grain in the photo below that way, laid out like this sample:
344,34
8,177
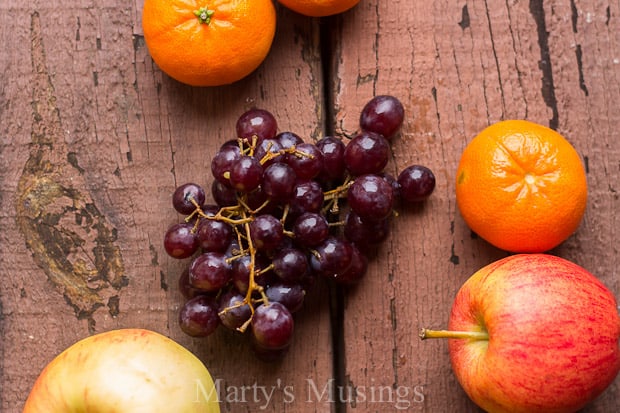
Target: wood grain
458,67
94,138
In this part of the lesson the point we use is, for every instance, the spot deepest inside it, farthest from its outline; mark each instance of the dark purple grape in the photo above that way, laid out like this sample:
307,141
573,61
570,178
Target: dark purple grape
307,197
232,310
214,235
333,158
246,174
186,197
291,295
279,181
310,229
290,264
383,114
266,232
259,202
267,146
180,240
241,272
356,271
272,325
233,250
371,197
230,142
416,183
256,122
210,210
185,288
288,140
393,183
198,316
365,233
332,257
210,271
366,153
223,195
306,161
223,161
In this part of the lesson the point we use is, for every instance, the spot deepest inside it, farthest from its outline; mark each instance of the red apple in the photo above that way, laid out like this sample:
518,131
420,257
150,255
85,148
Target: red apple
533,333
126,370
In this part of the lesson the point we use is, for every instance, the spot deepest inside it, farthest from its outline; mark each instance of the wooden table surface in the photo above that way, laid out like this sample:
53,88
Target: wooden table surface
84,109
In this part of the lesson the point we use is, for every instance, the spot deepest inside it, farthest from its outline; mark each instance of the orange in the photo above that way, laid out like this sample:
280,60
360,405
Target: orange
521,186
319,8
208,43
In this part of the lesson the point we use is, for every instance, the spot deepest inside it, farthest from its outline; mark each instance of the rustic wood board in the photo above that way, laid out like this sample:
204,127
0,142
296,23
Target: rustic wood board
81,93
458,67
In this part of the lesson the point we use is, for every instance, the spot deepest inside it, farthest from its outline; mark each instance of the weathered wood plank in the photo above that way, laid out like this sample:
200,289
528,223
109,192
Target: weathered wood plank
457,67
92,125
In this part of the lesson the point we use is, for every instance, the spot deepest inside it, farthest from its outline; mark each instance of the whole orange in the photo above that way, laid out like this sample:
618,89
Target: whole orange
319,8
521,186
208,43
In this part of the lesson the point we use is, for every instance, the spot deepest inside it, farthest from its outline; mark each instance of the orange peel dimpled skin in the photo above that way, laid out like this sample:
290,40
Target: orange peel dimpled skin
521,186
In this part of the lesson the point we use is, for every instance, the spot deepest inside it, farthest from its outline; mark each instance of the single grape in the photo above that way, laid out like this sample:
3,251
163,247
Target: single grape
232,310
365,233
333,158
290,264
223,195
332,257
210,271
371,197
258,202
384,115
310,229
288,140
214,235
306,161
256,122
356,271
307,197
266,147
186,197
279,181
272,325
241,268
198,316
291,295
223,161
393,183
366,153
246,174
416,183
266,232
185,288
180,240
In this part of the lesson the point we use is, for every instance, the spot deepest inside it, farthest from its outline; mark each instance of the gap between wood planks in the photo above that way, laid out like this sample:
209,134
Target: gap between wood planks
336,295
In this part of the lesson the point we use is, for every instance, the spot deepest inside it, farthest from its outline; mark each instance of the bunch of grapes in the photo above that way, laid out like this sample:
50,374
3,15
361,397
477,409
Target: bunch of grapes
285,212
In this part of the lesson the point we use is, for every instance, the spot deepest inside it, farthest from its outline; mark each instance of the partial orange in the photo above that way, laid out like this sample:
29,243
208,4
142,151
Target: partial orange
521,186
319,8
208,43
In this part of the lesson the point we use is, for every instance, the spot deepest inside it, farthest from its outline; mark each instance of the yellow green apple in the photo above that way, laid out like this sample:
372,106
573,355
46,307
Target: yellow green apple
533,333
124,370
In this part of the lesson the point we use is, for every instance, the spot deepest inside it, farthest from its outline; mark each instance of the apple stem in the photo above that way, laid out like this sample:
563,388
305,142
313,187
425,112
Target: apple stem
471,335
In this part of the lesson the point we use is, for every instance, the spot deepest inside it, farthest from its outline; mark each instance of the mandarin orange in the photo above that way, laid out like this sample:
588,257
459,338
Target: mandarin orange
319,8
521,186
208,43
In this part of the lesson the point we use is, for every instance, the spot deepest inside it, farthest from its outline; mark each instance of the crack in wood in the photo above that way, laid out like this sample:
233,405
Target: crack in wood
548,88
